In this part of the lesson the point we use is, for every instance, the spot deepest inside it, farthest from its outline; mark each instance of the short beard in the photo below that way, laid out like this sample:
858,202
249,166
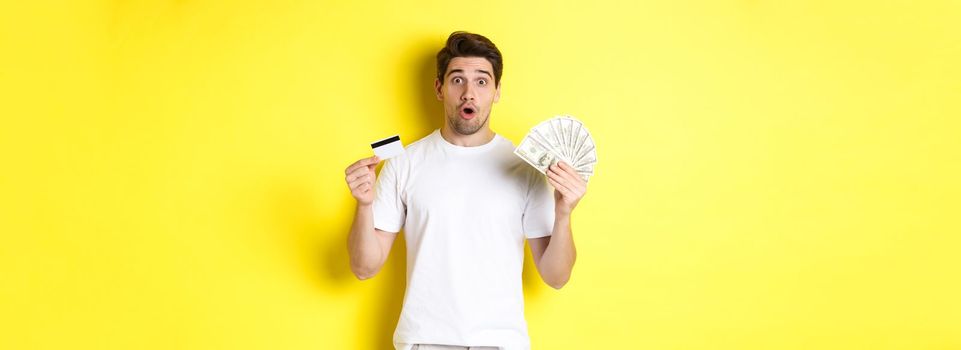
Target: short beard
466,127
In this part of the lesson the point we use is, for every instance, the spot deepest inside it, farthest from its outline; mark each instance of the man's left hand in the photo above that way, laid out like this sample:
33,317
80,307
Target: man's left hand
569,187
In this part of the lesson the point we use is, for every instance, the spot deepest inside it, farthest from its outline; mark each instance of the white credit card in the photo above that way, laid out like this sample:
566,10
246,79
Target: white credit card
388,148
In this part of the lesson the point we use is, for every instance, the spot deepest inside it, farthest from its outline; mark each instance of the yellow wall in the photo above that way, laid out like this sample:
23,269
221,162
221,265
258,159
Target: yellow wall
773,174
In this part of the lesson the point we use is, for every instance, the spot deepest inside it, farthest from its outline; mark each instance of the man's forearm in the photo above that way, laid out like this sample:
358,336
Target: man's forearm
366,254
558,259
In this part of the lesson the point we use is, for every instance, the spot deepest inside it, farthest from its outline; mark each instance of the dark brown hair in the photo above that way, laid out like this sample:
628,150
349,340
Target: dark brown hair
464,44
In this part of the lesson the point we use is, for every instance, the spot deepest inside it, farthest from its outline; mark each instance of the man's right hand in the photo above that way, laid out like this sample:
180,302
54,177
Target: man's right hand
360,179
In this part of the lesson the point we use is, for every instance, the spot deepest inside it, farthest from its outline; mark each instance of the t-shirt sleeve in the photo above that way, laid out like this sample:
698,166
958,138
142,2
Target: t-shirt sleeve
538,218
389,208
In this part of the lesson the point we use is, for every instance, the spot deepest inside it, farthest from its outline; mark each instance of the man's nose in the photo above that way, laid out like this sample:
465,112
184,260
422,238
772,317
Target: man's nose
468,94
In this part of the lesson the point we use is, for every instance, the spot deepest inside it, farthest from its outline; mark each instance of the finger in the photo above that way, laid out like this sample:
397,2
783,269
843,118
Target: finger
361,178
573,185
570,173
354,186
361,190
364,188
357,183
573,180
568,168
558,175
353,166
363,162
356,174
560,188
553,175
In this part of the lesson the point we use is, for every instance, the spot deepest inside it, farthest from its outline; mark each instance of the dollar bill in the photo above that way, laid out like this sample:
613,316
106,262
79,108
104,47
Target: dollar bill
535,154
575,131
563,138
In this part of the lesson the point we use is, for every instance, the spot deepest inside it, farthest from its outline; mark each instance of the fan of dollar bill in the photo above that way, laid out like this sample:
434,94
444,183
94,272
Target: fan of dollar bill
561,138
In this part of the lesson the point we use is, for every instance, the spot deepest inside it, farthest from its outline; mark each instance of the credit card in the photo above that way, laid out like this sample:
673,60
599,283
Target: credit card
388,148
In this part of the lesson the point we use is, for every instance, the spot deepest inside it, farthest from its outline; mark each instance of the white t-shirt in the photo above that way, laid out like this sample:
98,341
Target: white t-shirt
465,212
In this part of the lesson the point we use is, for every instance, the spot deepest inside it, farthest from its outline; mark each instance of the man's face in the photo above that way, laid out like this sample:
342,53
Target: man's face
468,92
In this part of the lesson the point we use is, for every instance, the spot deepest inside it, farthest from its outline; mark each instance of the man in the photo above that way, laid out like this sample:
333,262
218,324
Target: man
466,203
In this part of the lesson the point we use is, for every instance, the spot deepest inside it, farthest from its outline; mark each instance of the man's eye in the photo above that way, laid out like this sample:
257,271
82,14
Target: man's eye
457,80
482,82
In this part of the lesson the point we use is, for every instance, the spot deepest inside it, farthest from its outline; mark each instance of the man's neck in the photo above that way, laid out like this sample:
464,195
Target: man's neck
481,137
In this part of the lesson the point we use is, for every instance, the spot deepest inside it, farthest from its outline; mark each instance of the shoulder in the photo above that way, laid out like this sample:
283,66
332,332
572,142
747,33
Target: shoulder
420,146
412,153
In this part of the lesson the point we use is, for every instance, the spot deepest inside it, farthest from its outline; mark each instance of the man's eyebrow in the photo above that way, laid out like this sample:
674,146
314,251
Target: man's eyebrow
458,70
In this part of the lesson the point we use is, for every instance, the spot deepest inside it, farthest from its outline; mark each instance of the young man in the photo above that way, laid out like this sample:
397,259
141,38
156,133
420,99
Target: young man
467,204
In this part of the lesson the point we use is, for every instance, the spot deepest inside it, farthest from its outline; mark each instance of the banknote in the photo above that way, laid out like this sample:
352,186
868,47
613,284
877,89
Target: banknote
535,154
562,138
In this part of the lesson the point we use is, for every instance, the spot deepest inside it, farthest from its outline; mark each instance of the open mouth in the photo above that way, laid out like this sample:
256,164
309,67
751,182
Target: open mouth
467,112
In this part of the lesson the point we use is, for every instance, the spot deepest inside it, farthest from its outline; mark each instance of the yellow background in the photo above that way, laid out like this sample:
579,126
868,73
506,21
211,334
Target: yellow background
772,175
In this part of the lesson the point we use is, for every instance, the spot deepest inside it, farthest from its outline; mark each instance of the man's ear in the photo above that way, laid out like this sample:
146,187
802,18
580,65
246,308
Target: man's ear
437,86
497,93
